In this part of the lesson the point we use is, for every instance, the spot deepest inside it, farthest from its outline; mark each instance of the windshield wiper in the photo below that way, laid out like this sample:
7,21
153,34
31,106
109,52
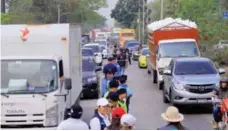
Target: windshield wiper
5,95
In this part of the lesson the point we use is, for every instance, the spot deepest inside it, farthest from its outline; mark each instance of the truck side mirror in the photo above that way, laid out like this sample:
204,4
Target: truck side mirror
68,84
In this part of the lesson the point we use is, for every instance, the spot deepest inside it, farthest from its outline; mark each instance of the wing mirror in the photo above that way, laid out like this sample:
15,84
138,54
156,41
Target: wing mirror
167,72
221,71
98,69
68,84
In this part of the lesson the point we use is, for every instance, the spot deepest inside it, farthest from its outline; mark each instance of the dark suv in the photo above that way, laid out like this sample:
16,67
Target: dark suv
90,78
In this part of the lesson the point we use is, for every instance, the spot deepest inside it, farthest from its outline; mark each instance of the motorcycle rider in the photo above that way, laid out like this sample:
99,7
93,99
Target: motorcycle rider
221,93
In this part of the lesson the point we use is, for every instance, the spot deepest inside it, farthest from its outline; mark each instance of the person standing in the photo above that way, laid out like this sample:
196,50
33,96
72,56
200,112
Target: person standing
174,118
109,74
129,55
100,119
122,99
122,61
74,122
124,85
113,87
117,113
127,122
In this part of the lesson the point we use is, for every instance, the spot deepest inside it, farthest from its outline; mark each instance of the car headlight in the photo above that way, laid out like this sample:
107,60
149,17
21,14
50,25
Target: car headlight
92,79
52,116
179,86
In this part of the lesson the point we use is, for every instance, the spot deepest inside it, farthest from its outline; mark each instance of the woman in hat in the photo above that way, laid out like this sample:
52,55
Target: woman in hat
127,122
117,113
174,118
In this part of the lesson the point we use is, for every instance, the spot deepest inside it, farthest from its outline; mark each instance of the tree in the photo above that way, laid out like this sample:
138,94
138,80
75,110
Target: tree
126,11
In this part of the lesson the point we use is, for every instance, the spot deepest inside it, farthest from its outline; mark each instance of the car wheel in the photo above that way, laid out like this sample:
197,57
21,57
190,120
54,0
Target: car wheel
165,100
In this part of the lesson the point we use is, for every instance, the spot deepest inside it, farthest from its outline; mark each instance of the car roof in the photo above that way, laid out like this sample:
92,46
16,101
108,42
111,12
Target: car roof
192,59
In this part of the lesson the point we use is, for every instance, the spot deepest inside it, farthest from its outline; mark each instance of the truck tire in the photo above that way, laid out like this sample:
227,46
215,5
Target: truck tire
155,76
165,100
160,85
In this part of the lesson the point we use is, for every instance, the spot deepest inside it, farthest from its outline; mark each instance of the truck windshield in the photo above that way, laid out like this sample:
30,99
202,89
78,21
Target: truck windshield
194,68
178,49
127,34
87,65
28,76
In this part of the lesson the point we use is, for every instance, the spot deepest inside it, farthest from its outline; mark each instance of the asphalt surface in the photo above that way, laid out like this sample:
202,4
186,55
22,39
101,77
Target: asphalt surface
147,105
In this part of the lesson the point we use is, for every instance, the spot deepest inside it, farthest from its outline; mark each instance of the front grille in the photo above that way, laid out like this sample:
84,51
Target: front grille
200,89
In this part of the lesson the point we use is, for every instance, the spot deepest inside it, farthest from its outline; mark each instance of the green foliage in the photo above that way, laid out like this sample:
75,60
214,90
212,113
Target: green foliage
125,12
46,11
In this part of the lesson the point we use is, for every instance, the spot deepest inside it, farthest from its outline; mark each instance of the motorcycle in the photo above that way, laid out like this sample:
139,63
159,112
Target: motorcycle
223,104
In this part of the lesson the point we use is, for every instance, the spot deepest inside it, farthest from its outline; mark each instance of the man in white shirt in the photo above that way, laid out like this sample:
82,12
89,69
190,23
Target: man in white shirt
100,119
74,122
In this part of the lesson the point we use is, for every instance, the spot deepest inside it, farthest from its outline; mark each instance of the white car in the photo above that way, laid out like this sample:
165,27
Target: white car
97,52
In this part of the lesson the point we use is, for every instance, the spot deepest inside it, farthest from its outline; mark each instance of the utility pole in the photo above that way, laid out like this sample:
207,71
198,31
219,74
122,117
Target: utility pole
162,8
58,13
139,25
143,28
3,6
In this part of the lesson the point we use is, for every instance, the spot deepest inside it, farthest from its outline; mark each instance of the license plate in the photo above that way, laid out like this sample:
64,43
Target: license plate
202,100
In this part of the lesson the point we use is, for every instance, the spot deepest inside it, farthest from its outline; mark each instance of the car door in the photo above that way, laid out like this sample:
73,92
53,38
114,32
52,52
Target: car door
168,78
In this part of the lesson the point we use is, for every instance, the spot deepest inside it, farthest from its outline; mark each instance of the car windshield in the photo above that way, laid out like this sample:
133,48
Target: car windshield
145,52
28,76
178,49
96,49
87,65
87,52
131,44
194,68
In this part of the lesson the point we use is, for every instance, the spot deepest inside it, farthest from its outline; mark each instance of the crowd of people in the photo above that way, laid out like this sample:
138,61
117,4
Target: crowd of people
112,109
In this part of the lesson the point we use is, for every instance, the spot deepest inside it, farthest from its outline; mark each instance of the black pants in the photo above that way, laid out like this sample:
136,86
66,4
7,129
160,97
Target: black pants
128,103
129,59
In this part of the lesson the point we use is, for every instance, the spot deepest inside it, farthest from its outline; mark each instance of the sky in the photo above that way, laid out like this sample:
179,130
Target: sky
107,11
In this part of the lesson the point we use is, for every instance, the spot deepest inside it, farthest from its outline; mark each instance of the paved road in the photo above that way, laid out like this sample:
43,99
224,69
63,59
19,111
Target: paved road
147,104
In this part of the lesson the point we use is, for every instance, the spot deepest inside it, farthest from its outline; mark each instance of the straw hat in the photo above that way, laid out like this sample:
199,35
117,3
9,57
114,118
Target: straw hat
172,115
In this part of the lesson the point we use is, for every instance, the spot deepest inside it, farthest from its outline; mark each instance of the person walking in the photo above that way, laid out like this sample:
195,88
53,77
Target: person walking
100,119
174,118
74,122
124,85
122,61
110,65
127,122
117,113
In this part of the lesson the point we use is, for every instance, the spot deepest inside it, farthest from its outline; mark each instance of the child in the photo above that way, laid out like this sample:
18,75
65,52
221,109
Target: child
113,87
123,80
221,93
122,98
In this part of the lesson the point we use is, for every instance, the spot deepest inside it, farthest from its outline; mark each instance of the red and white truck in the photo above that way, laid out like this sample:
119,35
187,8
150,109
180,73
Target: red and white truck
167,39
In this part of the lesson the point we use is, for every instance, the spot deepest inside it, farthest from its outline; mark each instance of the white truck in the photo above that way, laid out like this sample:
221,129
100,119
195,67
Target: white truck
41,73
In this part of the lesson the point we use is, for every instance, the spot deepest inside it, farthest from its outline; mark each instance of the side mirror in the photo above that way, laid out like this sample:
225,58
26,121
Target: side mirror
68,84
167,72
98,69
221,71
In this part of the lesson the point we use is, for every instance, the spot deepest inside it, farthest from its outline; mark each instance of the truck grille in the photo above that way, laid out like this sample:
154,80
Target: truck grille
200,89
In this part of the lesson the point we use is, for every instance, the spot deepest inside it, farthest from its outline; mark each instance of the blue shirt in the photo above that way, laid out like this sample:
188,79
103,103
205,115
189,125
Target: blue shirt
104,86
110,67
118,73
125,86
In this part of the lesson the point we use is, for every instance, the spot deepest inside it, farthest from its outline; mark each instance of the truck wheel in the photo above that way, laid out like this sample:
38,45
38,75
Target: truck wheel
160,85
165,100
154,76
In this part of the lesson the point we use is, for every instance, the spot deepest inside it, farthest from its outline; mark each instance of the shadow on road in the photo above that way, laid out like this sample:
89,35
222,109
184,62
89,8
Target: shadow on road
195,109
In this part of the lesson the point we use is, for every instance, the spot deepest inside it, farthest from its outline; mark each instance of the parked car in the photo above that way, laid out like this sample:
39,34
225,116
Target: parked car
97,52
190,81
104,51
143,56
90,78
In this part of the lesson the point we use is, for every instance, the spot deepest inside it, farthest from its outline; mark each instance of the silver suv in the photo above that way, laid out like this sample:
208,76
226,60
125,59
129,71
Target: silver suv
190,81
